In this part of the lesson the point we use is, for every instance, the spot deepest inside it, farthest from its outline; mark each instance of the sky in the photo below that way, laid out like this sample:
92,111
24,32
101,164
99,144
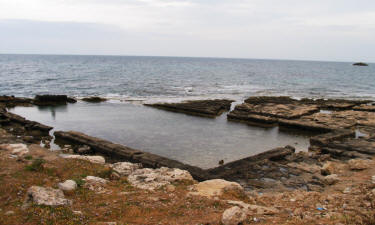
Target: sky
330,30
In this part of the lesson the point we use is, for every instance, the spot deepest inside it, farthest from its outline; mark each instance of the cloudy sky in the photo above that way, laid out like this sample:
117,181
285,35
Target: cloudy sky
336,30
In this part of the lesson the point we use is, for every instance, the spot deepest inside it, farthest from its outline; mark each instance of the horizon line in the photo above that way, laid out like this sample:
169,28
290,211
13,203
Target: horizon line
168,56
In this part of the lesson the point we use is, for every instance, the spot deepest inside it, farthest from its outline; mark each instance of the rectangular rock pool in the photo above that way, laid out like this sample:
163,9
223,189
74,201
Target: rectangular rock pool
197,141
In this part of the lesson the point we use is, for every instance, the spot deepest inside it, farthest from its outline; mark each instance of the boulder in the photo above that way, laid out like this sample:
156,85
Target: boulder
359,164
125,168
233,216
331,179
216,187
68,185
93,159
151,179
45,196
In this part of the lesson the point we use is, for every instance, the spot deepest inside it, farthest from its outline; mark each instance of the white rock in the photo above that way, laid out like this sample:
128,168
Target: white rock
373,179
45,196
125,168
151,179
233,216
95,183
331,179
216,187
97,180
359,164
9,213
68,185
16,149
93,159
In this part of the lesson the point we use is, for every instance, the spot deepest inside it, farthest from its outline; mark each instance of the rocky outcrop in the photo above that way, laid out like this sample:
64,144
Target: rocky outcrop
207,108
52,100
45,196
151,179
94,99
125,168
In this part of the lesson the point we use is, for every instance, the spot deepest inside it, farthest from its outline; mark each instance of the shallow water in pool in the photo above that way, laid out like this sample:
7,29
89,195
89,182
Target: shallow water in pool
193,140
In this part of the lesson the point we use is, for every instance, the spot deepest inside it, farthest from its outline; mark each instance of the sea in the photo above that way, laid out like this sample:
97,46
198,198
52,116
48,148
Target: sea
129,81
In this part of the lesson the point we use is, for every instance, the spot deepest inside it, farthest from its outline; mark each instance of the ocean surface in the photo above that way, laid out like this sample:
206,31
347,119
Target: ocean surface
174,78
130,81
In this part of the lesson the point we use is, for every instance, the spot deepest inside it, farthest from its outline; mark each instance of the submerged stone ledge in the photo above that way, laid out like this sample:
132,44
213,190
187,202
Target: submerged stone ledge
119,153
207,108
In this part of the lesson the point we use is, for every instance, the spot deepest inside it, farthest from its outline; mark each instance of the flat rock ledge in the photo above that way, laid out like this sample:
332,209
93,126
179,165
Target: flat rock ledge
206,108
317,115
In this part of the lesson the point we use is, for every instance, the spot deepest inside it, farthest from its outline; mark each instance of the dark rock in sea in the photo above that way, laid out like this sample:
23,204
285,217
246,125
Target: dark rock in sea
207,108
94,99
52,100
360,64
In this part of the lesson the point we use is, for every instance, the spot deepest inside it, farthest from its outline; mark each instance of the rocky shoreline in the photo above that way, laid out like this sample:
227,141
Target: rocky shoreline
343,145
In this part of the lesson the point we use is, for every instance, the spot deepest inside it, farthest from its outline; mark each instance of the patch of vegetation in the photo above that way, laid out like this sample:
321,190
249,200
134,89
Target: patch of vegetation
36,165
104,173
28,157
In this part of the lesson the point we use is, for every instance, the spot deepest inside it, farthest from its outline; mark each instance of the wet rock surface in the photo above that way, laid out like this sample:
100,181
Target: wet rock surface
52,100
208,108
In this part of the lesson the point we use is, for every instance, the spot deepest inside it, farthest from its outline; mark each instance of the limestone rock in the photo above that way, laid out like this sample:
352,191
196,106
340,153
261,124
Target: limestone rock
359,164
125,168
45,196
151,179
93,159
331,179
216,187
233,216
68,186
